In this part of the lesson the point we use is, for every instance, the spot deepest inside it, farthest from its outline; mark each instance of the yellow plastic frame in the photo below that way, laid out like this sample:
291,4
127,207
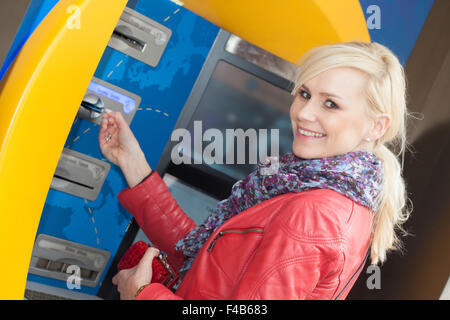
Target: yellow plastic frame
286,28
39,99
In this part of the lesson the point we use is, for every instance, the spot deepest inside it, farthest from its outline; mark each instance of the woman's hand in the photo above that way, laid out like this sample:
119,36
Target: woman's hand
119,146
128,281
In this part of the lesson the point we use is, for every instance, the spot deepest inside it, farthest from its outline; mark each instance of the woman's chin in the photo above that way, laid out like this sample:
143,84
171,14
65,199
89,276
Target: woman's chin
306,153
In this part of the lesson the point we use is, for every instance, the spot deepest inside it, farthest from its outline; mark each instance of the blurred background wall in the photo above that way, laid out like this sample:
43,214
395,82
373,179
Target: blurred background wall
11,16
424,268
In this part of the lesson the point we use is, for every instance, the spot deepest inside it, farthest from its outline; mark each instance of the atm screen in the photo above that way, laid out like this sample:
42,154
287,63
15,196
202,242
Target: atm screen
234,99
129,104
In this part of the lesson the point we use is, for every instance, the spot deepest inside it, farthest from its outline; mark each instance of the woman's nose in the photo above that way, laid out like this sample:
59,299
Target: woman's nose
307,111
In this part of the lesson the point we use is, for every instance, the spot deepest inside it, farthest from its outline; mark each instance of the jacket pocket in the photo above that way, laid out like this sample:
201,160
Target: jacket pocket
232,249
234,231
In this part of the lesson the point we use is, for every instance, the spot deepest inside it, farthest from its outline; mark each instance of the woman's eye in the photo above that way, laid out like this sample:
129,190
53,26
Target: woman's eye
331,105
304,94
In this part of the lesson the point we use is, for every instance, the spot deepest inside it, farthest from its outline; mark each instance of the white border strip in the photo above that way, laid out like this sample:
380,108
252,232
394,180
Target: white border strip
445,295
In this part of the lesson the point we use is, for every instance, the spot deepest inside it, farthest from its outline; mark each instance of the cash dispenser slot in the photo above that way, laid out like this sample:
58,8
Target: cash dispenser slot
59,259
140,37
131,41
79,174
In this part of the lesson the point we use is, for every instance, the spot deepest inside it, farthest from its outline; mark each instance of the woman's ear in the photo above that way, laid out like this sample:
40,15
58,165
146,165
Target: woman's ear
380,125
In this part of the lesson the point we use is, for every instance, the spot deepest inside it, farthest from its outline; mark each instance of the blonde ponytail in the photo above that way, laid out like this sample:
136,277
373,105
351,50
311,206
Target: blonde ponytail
391,212
386,94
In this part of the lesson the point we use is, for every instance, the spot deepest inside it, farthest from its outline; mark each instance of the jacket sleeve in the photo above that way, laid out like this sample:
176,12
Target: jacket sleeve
158,215
157,291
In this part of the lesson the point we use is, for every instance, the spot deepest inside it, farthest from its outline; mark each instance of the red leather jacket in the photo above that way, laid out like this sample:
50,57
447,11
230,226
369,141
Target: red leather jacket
307,245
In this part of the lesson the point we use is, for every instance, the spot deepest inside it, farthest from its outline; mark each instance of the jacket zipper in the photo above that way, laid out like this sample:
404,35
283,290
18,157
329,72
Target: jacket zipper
221,233
354,274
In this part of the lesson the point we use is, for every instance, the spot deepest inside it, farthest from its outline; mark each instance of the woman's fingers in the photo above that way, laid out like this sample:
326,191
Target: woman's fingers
144,270
110,125
103,129
108,140
148,256
119,120
108,129
115,279
116,139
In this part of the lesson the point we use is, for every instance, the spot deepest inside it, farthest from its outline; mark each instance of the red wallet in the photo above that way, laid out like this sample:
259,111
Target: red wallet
162,271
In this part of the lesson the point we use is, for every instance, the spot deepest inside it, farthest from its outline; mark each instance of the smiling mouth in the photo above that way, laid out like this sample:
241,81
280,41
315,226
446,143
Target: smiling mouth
310,133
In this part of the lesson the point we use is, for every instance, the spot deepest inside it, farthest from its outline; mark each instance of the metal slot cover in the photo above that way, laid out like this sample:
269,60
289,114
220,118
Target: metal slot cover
79,175
53,256
132,42
140,37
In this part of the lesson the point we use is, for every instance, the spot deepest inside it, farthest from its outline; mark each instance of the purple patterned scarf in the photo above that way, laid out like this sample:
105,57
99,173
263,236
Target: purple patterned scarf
357,175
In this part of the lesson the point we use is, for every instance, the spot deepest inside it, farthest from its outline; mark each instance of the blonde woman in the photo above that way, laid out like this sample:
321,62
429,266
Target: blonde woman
305,230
